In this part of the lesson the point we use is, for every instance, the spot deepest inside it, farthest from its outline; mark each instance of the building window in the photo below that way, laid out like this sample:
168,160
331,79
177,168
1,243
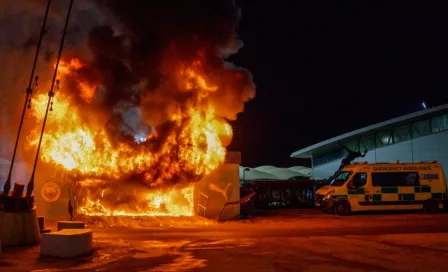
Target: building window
384,138
402,133
368,143
329,156
353,145
439,123
421,128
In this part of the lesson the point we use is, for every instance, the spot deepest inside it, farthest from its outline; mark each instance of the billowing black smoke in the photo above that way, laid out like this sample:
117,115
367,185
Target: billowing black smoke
20,24
134,52
149,40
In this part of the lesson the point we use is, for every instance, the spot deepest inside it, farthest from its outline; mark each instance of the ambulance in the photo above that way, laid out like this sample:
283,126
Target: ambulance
384,186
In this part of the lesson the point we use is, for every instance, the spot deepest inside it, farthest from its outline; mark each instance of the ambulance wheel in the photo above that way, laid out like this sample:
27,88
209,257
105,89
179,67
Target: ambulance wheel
431,206
342,208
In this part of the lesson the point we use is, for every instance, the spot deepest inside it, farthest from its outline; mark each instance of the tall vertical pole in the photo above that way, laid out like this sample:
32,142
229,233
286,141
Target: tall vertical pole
29,91
30,186
374,142
312,165
411,136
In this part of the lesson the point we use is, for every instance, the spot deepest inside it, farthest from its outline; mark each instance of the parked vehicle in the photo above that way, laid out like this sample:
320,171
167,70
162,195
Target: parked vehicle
384,186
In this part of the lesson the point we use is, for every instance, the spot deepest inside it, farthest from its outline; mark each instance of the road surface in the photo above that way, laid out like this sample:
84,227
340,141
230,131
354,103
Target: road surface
289,241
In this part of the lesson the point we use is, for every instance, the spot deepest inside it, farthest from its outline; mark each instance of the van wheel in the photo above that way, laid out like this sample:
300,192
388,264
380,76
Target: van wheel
431,206
342,208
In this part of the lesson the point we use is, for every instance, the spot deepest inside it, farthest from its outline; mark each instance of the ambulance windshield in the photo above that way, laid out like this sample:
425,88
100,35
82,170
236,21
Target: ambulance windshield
341,178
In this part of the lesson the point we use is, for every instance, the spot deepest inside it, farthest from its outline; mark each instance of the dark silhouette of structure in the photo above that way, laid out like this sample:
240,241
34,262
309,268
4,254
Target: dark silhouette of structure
351,155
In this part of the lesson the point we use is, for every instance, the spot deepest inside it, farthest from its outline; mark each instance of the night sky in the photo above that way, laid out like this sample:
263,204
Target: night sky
323,68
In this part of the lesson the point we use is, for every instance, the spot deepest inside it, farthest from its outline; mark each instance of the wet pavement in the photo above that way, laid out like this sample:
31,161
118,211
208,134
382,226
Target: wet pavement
288,241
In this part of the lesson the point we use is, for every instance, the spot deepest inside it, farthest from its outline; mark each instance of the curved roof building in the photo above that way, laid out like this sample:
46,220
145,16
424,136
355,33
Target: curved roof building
419,136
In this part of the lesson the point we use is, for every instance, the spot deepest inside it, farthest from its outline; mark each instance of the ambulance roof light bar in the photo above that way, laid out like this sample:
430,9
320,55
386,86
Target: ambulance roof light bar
360,162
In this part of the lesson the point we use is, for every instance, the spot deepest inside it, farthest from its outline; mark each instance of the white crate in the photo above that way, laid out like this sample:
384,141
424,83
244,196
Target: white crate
66,243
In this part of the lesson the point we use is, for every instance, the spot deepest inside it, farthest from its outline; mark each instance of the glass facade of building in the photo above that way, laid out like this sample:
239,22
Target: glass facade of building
389,136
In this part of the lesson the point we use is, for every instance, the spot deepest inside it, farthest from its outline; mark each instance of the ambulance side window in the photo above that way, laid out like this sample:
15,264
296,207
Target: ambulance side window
358,181
394,179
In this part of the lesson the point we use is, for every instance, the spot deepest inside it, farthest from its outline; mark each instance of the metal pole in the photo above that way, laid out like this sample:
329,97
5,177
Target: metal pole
244,173
374,142
29,91
312,166
411,137
30,186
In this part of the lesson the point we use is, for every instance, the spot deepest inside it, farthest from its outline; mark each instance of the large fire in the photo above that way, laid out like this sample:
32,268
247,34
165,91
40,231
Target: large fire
77,141
173,202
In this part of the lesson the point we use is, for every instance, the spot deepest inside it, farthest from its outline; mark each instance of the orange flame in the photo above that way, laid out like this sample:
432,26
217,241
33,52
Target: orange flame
86,91
172,202
81,146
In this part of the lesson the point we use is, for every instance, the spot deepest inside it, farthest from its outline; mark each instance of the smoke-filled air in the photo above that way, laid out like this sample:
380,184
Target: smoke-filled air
145,90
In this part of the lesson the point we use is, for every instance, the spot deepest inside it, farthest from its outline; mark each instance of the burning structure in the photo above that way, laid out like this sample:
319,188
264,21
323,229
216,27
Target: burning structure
144,104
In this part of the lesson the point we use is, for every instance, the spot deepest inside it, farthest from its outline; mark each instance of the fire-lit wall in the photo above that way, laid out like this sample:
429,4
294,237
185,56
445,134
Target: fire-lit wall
221,186
51,194
50,191
218,188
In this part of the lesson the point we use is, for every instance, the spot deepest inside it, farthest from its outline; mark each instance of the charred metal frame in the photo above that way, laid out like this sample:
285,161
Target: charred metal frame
202,206
289,193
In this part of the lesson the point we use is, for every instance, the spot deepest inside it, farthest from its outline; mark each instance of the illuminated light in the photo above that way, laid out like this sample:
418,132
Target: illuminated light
139,138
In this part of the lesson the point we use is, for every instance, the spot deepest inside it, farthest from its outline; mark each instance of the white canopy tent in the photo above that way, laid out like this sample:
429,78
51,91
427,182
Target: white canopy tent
307,171
247,173
274,173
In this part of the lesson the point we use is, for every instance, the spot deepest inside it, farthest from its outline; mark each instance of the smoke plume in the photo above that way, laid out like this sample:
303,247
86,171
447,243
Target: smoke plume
134,52
148,43
20,23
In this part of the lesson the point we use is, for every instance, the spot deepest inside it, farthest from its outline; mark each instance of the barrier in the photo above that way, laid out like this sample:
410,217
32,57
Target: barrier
203,206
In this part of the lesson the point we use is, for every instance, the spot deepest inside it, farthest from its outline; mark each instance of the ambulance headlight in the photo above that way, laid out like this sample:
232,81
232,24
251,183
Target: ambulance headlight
329,195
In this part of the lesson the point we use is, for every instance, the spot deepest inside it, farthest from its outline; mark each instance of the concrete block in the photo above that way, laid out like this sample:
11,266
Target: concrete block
45,230
66,243
70,225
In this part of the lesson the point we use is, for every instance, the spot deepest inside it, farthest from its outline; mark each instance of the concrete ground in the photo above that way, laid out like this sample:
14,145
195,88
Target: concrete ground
288,241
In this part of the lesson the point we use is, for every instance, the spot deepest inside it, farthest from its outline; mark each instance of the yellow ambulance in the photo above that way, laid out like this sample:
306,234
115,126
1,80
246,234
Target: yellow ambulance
384,186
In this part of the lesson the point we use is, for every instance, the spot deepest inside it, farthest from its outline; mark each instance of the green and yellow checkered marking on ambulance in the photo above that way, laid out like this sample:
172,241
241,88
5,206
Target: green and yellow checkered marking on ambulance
410,194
